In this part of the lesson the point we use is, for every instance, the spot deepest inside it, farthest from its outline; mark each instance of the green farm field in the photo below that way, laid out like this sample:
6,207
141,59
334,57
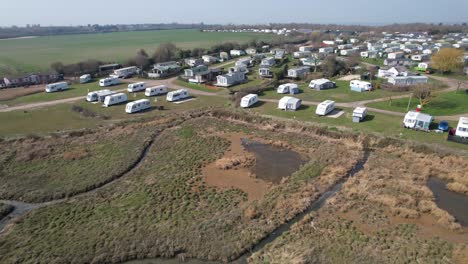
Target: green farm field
35,54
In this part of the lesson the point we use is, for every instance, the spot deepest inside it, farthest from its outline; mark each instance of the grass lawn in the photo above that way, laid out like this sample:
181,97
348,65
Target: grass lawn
62,117
200,87
35,54
450,103
340,94
458,76
376,61
74,90
375,122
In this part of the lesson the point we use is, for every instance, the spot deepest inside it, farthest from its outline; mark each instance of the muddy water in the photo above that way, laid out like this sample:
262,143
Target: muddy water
454,203
272,163
315,206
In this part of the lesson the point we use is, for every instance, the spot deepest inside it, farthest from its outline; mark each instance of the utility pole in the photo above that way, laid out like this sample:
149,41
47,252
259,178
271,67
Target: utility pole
409,102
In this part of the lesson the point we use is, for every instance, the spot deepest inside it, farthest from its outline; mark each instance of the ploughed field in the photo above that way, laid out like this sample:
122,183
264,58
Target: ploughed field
35,54
198,186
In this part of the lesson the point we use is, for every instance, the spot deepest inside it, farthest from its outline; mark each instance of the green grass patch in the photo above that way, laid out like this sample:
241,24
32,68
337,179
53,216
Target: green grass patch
38,53
342,93
444,104
200,87
374,61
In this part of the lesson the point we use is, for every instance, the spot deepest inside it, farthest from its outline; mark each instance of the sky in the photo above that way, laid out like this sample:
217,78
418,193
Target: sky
366,12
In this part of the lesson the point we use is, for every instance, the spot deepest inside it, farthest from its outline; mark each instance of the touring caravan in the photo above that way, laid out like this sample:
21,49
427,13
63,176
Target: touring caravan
359,114
177,95
96,95
109,81
136,87
462,127
156,90
249,100
289,103
56,87
137,106
85,78
325,107
360,86
290,88
115,99
417,120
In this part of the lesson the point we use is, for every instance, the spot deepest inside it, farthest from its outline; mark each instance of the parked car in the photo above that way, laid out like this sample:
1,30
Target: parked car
443,125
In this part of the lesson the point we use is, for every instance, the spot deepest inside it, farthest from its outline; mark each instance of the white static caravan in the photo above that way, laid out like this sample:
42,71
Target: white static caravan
137,106
408,80
109,81
360,86
325,107
85,78
417,120
248,100
96,95
290,88
320,84
359,114
156,90
289,103
462,127
136,87
237,53
125,72
177,95
115,99
56,87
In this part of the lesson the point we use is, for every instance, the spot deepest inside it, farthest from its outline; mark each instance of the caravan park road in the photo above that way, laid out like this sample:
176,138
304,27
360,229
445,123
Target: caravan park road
452,85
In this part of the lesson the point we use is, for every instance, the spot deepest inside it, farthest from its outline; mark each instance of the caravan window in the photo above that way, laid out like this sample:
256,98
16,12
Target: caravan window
463,129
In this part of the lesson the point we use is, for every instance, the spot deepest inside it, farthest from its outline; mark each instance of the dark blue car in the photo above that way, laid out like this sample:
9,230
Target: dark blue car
443,125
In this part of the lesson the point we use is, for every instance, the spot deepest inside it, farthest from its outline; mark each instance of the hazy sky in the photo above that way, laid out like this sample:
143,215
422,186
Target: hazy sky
63,12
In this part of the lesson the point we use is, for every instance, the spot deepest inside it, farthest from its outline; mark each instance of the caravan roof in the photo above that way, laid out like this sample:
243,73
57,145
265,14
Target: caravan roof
359,110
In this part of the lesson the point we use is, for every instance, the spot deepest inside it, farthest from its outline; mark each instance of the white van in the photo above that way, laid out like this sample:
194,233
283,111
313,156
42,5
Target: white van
115,99
137,106
56,87
177,95
85,78
136,87
155,91
325,107
94,96
109,81
249,100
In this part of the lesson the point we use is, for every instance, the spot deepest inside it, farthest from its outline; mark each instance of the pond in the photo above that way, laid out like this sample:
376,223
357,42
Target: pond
273,163
454,203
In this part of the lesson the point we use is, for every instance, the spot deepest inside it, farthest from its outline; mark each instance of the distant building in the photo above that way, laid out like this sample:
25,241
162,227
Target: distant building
164,69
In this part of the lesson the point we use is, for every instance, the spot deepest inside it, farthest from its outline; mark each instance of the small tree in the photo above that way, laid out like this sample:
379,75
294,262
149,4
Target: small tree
448,60
423,94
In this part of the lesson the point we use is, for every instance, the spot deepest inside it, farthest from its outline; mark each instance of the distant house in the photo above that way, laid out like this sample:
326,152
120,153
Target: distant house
251,51
300,72
237,53
407,80
326,50
349,52
164,69
247,62
306,48
302,54
192,62
279,53
268,62
312,62
420,57
392,72
31,79
230,79
345,46
209,59
396,62
321,84
369,54
265,72
109,67
396,55
198,74
223,56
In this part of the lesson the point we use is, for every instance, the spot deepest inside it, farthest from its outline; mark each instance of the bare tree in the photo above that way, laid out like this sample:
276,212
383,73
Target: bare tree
423,94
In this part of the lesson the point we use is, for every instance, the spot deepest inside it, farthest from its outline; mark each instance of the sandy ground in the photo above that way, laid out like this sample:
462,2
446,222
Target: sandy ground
239,177
350,77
